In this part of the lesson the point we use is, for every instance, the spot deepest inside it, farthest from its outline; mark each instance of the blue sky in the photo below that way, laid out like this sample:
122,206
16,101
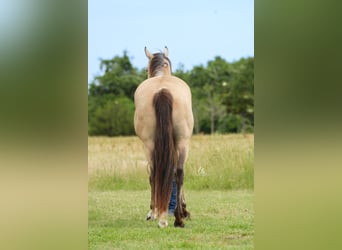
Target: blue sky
194,31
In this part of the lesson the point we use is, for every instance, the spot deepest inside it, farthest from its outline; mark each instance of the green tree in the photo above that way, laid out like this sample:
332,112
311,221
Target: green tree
238,96
120,78
207,84
114,118
110,97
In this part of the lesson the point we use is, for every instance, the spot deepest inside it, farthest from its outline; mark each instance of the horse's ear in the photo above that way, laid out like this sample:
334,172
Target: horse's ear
166,52
148,53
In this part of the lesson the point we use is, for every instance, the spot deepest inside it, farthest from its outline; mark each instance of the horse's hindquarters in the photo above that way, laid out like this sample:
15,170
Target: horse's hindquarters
165,153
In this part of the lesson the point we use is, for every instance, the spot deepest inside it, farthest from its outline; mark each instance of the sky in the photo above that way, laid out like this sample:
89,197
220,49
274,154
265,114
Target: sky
194,31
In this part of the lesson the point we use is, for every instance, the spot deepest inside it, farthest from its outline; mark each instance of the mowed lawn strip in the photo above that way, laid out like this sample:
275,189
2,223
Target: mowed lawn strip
219,220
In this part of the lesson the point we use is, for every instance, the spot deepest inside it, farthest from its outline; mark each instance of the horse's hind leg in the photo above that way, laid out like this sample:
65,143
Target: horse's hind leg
152,214
186,213
180,211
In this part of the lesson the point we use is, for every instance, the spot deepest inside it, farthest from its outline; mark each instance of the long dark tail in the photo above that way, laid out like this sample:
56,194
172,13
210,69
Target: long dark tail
164,154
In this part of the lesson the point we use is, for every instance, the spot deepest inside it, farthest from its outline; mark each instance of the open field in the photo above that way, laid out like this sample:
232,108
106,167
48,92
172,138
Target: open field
220,220
220,162
218,187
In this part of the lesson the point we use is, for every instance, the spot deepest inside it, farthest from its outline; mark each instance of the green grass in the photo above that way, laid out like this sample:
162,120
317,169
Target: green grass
218,183
220,220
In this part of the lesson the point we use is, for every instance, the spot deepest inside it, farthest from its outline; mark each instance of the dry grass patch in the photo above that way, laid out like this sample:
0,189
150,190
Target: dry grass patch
215,162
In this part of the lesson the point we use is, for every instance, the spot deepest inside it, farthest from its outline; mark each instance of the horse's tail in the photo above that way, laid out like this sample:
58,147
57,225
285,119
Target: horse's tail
164,154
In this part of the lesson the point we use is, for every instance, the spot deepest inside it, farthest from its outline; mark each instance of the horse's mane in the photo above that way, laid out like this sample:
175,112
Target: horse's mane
157,63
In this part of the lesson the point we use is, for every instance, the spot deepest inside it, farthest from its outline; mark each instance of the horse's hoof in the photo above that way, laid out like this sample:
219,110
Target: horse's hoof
151,216
179,224
162,224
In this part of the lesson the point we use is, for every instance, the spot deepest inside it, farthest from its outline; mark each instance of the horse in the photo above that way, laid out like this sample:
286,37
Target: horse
163,120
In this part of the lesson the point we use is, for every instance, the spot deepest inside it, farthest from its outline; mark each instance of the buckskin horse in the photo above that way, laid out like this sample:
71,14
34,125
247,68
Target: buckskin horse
163,120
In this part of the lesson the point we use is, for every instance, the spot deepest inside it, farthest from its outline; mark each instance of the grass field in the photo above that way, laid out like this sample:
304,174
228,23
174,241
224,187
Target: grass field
218,188
220,162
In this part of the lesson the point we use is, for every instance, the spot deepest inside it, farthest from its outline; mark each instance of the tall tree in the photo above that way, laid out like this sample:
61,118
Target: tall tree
110,98
239,92
208,84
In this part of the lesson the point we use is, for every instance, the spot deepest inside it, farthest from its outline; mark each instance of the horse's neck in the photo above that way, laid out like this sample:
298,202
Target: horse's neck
163,72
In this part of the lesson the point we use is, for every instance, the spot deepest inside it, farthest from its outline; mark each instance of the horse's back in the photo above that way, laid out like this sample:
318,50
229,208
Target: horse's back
175,85
182,117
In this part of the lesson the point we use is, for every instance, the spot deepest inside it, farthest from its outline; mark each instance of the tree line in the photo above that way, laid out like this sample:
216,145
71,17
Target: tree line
222,96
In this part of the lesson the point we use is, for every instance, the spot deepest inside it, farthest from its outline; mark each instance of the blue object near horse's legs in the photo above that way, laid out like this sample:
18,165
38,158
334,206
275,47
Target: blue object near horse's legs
173,199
